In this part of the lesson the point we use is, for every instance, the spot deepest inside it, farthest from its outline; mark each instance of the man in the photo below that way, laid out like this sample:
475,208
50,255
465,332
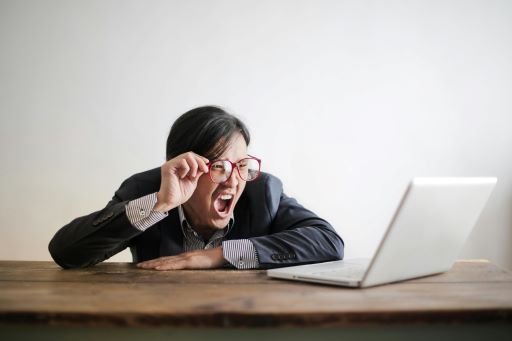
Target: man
207,207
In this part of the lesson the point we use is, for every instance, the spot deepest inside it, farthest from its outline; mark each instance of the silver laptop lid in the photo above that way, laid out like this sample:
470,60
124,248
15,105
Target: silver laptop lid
429,228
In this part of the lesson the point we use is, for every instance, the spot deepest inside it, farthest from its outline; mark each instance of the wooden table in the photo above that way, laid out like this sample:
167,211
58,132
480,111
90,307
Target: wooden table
39,297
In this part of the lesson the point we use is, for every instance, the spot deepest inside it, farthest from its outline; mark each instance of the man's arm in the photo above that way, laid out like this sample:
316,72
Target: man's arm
93,238
298,236
98,236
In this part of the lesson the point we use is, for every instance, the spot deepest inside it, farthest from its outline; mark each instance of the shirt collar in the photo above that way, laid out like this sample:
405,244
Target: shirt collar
187,229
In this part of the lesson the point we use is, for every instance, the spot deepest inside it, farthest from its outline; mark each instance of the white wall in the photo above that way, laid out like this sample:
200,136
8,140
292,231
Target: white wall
346,100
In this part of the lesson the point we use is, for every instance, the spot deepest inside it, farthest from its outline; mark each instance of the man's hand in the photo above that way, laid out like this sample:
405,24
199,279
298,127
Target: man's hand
179,180
199,259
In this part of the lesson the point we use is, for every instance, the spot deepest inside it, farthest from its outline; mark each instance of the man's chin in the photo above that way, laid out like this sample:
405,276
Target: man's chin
220,224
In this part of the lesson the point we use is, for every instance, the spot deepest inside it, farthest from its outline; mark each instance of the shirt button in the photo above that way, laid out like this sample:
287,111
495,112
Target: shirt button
241,263
142,213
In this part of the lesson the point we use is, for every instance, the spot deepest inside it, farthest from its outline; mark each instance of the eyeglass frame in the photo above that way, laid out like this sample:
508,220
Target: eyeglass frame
233,166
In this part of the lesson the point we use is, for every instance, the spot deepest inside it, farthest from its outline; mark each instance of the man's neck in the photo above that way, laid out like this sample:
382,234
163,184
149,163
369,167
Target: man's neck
206,232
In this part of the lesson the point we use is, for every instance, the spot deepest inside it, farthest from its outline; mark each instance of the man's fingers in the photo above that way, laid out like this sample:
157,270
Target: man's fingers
203,164
146,265
191,164
164,263
177,264
198,164
182,168
199,259
149,264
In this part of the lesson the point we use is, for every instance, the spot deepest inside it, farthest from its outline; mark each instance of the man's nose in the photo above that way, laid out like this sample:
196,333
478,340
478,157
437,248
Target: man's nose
233,180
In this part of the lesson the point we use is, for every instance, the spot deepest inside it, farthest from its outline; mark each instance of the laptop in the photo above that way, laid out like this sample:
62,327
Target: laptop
424,237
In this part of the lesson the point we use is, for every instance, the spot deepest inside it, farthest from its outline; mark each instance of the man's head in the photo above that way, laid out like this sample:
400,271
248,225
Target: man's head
206,131
217,135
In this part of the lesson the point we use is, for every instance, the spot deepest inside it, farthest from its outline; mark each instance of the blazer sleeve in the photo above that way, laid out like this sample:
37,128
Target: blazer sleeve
91,239
298,236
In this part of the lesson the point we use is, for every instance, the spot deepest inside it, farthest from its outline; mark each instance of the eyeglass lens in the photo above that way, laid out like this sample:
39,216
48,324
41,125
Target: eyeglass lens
221,170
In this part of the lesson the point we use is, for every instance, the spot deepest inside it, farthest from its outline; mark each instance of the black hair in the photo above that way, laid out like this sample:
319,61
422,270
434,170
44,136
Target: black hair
206,131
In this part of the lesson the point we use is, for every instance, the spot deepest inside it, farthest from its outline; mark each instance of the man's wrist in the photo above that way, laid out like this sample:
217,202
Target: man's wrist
240,253
140,212
161,206
220,257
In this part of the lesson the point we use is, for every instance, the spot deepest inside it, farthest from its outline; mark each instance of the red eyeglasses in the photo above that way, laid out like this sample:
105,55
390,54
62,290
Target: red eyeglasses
221,170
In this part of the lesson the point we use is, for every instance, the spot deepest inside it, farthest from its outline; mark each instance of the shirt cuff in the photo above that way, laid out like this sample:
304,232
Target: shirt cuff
241,253
140,212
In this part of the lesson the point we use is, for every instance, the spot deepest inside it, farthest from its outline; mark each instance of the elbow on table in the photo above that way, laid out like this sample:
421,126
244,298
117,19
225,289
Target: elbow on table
338,246
63,256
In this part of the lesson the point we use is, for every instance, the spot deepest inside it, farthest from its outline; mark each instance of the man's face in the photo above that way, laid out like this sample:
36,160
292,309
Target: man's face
211,205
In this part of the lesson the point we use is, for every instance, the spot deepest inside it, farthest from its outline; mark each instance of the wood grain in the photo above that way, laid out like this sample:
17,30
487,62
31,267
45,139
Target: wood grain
118,294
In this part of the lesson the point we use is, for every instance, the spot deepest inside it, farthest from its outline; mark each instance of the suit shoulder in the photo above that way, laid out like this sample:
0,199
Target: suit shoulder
149,176
266,181
140,184
266,189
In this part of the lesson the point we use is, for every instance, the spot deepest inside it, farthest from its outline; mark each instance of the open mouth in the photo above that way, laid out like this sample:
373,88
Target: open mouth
223,203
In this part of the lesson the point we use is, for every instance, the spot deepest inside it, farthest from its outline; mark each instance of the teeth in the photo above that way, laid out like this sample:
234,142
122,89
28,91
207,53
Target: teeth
226,196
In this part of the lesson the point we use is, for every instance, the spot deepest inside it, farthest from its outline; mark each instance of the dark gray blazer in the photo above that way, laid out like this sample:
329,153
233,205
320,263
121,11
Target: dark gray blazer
282,231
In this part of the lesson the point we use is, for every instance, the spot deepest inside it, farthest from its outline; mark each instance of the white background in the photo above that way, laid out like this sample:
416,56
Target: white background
346,101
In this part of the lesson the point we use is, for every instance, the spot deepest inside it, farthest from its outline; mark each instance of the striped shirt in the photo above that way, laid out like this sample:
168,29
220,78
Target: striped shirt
239,252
